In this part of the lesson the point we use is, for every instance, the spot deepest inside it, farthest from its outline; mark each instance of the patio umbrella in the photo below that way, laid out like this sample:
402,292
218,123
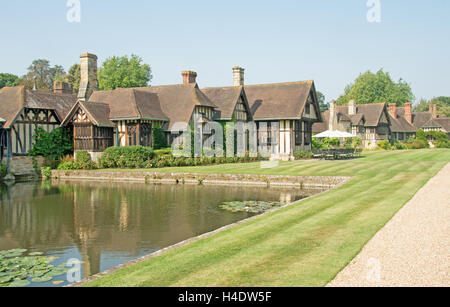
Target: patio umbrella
334,134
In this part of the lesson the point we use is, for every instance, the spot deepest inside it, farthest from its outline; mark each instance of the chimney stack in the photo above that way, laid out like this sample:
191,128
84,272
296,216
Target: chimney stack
61,88
393,110
433,110
189,77
332,124
408,112
238,76
352,107
89,81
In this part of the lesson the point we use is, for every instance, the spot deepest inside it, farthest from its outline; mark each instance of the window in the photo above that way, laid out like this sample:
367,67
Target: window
308,108
308,133
298,132
131,132
265,135
146,135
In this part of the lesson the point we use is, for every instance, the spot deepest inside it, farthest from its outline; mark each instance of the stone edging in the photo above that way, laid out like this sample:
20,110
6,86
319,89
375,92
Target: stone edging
302,182
56,175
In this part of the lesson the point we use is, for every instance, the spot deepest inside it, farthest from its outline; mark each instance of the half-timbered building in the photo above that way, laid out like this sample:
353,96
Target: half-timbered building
292,107
370,122
126,117
26,110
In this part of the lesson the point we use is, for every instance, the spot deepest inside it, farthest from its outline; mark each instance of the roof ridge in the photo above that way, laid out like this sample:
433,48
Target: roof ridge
223,87
281,83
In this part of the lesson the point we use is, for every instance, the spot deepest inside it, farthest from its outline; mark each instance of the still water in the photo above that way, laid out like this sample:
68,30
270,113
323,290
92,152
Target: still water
105,224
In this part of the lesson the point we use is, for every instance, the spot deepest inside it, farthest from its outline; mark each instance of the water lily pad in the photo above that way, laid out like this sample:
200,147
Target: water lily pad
19,283
250,206
36,254
18,250
44,278
58,282
13,255
5,279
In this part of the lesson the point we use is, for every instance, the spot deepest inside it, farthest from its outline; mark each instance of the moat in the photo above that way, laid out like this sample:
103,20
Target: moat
104,224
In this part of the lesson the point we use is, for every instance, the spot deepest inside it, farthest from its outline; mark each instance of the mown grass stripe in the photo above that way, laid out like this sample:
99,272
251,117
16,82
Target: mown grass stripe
306,244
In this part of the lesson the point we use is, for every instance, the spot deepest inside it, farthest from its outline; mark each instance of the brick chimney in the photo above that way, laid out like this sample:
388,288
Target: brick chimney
332,123
238,76
89,81
352,107
393,110
408,112
189,77
433,110
61,88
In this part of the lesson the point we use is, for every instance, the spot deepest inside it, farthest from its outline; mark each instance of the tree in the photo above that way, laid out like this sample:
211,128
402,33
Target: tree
8,80
122,72
42,75
57,73
442,102
377,87
322,104
73,77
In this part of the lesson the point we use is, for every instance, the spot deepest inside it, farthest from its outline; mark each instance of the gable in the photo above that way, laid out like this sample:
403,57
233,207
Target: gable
281,101
384,119
311,109
80,117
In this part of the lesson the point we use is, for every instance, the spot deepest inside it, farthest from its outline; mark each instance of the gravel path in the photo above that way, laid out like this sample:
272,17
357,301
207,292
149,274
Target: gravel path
413,249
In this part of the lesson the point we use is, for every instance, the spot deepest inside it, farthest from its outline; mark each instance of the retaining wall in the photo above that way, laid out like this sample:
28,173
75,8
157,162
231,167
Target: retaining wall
304,182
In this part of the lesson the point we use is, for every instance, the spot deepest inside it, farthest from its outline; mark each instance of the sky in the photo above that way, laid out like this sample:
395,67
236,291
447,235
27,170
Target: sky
328,41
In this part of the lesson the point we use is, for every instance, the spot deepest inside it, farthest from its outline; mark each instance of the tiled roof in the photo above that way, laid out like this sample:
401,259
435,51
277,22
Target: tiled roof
225,99
400,124
444,122
130,103
97,112
178,101
279,100
371,112
356,118
14,99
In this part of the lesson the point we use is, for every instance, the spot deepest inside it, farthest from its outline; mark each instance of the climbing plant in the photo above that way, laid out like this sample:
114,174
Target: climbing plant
52,145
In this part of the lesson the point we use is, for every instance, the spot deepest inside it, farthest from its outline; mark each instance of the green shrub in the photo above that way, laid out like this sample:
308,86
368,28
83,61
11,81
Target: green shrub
83,161
83,157
415,144
442,144
418,142
317,145
67,166
164,152
46,172
126,157
299,155
159,139
52,145
399,146
3,170
384,145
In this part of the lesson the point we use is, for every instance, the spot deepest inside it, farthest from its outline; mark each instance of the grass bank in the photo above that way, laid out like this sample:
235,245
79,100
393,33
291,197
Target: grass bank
305,244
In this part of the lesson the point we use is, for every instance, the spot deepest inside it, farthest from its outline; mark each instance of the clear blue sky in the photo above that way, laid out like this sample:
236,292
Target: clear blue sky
326,40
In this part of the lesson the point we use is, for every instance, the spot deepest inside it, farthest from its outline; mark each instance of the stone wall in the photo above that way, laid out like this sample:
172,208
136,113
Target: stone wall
23,165
305,182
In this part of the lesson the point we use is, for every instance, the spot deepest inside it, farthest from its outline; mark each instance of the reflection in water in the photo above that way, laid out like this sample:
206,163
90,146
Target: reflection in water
105,224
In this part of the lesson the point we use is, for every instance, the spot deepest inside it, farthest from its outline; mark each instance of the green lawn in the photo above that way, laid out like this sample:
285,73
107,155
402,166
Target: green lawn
305,244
